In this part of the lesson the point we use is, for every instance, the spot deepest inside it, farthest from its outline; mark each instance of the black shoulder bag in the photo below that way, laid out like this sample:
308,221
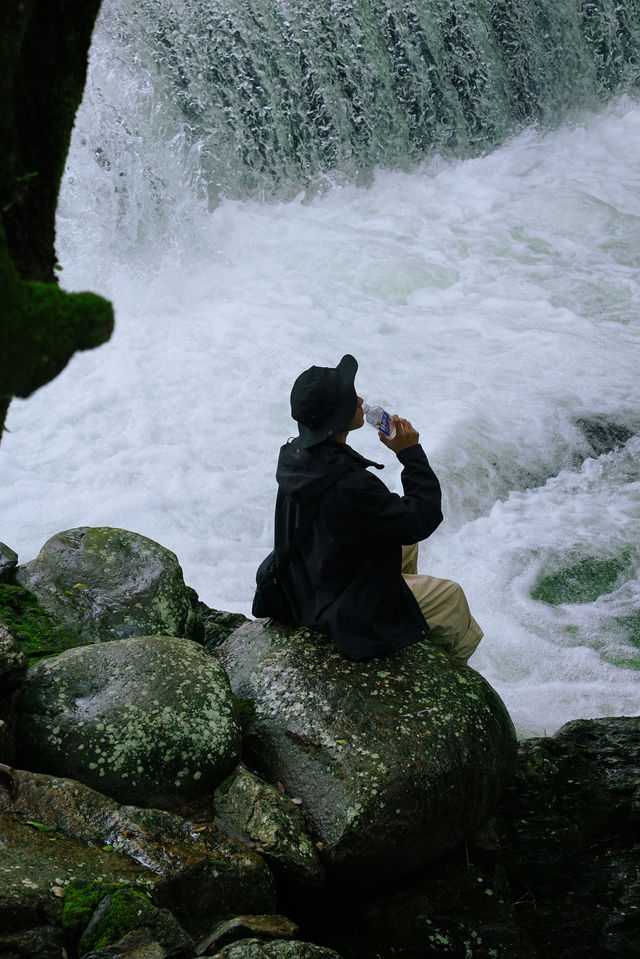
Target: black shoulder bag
270,600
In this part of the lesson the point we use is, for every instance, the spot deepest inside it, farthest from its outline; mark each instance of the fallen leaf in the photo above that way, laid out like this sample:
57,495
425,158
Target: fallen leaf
58,891
39,825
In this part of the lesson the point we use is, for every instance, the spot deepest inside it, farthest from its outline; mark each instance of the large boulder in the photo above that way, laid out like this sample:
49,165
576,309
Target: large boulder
395,760
105,583
149,720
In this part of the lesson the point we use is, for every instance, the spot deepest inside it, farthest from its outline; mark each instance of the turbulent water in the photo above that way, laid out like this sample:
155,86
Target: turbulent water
267,185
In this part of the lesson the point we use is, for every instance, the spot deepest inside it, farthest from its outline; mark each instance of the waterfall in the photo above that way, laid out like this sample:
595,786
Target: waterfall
264,98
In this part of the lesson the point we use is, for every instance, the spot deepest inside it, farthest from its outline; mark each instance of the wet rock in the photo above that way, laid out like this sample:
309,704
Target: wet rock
246,927
570,828
195,869
605,433
139,944
8,562
149,720
271,824
395,760
105,584
256,949
581,580
218,625
38,861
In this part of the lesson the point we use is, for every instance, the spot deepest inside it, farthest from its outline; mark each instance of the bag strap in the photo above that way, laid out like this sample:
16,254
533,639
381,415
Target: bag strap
297,543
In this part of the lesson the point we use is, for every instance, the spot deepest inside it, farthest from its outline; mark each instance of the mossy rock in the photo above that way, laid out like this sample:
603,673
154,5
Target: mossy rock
37,858
271,824
96,915
196,872
258,949
42,327
104,583
38,633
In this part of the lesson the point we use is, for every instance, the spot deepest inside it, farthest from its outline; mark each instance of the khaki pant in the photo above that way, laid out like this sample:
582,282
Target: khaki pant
445,608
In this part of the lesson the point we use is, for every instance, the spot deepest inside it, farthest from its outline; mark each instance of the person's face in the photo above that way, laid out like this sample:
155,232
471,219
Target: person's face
358,417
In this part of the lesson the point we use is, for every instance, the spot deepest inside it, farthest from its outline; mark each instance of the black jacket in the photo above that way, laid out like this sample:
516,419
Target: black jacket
345,579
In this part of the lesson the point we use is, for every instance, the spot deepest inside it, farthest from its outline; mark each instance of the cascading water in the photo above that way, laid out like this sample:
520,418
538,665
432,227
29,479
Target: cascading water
260,186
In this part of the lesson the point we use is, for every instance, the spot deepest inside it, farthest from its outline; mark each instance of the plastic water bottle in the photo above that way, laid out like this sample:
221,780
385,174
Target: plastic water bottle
379,419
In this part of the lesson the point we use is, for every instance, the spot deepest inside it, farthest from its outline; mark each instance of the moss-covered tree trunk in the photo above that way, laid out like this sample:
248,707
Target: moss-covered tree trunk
43,50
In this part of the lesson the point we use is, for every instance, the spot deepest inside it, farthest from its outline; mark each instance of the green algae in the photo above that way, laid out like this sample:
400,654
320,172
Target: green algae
581,582
39,635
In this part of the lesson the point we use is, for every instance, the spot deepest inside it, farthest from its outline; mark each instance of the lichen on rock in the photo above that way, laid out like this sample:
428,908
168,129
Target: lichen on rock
149,720
395,760
272,823
103,583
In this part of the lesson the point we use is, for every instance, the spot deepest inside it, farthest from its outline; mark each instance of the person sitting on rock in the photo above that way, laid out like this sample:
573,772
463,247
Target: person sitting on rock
352,573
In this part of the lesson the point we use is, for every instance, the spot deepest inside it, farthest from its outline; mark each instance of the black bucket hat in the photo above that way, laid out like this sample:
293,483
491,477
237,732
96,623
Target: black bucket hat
324,400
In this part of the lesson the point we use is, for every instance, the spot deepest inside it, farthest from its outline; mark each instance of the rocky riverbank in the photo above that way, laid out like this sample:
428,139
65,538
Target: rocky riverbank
178,781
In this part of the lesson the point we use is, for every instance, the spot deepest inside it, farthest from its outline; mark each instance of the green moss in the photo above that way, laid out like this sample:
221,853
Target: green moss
38,633
582,582
42,327
80,900
124,906
123,915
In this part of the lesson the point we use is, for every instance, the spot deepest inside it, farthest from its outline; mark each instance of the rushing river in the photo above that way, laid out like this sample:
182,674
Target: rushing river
450,192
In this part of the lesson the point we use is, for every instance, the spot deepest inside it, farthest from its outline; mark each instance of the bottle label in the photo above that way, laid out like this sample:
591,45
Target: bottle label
385,423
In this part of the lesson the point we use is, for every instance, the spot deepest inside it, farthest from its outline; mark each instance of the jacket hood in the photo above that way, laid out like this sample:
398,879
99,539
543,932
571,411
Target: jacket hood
304,474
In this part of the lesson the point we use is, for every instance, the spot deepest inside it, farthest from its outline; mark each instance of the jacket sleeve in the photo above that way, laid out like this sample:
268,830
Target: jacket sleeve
374,513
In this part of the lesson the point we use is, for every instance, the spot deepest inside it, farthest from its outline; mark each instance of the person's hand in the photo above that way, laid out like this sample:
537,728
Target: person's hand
405,436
